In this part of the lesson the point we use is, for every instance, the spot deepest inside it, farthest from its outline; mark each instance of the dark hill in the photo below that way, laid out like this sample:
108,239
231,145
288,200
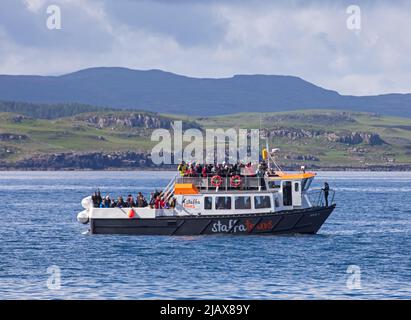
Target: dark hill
165,92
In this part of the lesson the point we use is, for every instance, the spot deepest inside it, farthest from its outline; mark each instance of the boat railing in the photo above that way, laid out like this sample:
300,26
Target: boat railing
317,197
168,190
245,183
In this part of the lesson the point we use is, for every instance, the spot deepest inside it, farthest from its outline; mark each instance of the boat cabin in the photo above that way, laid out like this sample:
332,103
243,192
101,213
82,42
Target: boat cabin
244,194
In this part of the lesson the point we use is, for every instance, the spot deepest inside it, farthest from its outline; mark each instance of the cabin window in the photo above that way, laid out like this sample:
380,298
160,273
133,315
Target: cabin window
208,203
261,202
223,203
287,193
242,202
296,187
305,184
274,184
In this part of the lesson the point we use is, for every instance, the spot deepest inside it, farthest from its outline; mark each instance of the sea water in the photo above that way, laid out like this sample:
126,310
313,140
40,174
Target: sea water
362,251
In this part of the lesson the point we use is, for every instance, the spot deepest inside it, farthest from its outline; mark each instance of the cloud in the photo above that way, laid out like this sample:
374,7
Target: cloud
215,39
34,5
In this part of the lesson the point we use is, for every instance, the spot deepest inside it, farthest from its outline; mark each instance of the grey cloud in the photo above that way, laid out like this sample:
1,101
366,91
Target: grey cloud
216,38
188,22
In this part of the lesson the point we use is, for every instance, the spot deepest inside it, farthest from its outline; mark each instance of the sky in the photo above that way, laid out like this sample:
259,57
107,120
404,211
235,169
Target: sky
216,38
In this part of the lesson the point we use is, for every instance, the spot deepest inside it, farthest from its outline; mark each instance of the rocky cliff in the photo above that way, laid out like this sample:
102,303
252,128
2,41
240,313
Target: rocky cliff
346,137
131,120
92,161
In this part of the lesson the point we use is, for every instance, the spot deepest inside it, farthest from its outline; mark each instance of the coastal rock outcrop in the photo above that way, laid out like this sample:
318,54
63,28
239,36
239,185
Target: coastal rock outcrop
131,120
92,161
12,137
346,137
351,138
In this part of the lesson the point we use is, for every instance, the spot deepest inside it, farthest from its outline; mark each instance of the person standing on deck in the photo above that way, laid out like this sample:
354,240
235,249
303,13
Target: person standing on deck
326,190
182,168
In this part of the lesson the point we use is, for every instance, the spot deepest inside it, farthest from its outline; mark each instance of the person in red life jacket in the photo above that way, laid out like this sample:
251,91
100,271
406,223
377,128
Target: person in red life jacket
189,172
157,202
130,201
204,171
162,203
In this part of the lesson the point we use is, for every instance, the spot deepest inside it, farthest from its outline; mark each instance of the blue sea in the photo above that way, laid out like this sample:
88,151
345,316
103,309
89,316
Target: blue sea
361,252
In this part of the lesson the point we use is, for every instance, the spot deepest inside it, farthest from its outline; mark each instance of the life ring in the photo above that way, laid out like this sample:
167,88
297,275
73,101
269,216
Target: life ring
235,181
216,181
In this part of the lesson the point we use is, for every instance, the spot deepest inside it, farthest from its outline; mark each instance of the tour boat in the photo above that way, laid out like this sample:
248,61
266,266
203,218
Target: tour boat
276,203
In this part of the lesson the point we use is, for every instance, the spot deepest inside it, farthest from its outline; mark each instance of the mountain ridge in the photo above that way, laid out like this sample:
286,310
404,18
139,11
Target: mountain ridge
167,92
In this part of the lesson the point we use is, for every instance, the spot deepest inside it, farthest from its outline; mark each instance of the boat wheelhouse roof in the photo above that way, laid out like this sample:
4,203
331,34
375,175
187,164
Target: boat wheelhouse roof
281,175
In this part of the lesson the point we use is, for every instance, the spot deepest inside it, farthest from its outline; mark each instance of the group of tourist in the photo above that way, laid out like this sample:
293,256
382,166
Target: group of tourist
158,200
107,202
223,169
161,200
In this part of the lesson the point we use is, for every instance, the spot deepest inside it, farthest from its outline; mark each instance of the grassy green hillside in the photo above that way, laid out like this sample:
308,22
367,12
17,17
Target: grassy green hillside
63,135
395,132
324,138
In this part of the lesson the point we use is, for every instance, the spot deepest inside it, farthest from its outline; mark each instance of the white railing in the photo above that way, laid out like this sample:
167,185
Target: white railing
318,199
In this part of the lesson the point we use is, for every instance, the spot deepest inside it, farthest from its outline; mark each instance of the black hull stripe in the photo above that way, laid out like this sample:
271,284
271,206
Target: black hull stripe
301,221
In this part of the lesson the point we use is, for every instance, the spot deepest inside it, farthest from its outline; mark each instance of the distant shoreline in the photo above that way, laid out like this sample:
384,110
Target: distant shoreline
399,168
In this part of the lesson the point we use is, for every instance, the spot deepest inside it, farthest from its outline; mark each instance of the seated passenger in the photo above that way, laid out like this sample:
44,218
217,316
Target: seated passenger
167,205
130,201
94,200
189,172
141,201
105,203
173,202
99,199
162,203
198,169
120,202
152,200
157,202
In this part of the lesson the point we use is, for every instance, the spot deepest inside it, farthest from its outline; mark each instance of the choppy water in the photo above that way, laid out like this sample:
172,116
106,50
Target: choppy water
370,229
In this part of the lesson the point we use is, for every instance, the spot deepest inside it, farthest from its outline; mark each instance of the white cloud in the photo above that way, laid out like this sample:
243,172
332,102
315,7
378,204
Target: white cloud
219,39
34,5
